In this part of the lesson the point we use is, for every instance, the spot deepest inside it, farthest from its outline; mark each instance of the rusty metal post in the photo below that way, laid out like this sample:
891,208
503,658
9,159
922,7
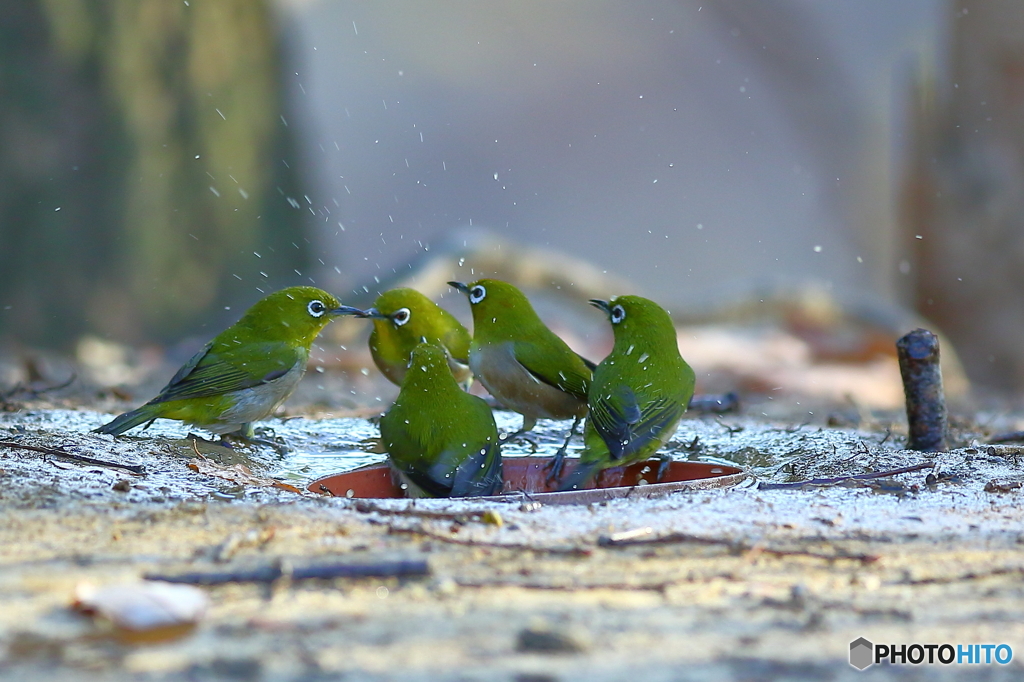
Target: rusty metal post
918,353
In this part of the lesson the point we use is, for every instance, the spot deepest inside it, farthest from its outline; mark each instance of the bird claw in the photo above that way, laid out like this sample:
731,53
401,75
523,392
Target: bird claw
196,437
276,444
557,463
521,436
555,466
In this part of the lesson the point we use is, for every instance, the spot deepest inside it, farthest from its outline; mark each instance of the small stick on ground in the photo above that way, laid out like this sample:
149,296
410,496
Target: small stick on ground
135,469
715,403
276,571
371,508
633,538
843,479
517,546
918,353
535,584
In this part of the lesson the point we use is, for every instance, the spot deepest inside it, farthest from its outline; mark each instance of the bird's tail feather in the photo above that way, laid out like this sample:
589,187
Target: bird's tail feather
128,420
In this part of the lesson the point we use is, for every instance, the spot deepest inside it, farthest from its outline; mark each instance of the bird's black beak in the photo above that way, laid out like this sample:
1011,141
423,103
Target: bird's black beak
349,310
376,314
603,305
461,286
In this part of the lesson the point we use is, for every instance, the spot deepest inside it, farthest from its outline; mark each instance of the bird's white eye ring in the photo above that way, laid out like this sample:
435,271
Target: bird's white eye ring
618,314
477,294
316,308
401,316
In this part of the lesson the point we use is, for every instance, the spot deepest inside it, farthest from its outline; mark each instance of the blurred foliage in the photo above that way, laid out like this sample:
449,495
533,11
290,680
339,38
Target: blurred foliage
142,163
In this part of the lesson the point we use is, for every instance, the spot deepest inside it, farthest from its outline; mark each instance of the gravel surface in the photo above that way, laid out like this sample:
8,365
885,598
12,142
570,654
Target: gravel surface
743,584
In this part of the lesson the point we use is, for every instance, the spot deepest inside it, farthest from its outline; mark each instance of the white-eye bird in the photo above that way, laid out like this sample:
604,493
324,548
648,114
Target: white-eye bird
440,440
246,371
522,363
639,392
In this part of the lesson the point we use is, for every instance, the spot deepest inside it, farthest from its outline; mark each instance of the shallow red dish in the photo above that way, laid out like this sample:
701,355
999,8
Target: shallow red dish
526,477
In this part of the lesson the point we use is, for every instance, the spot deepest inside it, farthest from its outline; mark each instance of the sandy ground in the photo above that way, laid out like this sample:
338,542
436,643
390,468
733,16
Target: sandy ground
739,584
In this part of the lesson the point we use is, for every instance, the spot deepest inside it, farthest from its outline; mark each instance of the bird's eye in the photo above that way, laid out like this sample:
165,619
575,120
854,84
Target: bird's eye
477,294
316,308
618,314
401,316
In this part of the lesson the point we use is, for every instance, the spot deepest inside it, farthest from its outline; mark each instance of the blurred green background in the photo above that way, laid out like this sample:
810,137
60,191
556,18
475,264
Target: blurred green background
164,161
143,159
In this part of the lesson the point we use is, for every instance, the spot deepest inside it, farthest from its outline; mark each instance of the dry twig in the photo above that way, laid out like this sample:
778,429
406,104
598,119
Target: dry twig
371,508
843,479
136,469
273,572
517,546
636,537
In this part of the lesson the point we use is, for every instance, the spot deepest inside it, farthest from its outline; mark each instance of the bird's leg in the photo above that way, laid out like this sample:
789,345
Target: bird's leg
195,437
528,424
247,434
557,462
266,435
666,460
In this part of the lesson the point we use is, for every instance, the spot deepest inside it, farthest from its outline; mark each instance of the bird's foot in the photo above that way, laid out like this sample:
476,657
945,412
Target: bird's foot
521,436
557,462
275,443
195,437
266,436
555,466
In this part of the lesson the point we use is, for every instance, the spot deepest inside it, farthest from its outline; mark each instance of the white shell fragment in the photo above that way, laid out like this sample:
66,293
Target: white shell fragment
143,606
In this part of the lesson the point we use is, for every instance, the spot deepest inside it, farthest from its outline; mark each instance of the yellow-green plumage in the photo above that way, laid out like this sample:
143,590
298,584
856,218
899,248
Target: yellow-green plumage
522,363
639,392
441,440
246,371
402,318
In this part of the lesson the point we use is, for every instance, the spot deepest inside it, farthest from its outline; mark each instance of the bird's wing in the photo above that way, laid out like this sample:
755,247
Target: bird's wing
590,365
210,373
566,372
480,474
405,452
625,426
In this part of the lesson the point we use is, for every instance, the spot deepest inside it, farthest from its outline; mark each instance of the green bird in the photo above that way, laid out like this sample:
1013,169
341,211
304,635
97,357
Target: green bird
522,363
441,440
639,392
246,371
402,318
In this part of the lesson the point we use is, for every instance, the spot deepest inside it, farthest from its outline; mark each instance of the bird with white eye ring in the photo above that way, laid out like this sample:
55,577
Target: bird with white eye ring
522,363
402,319
246,371
638,393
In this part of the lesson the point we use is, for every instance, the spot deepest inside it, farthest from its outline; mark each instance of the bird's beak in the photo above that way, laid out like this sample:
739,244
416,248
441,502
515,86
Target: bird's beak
349,310
603,305
461,286
376,314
